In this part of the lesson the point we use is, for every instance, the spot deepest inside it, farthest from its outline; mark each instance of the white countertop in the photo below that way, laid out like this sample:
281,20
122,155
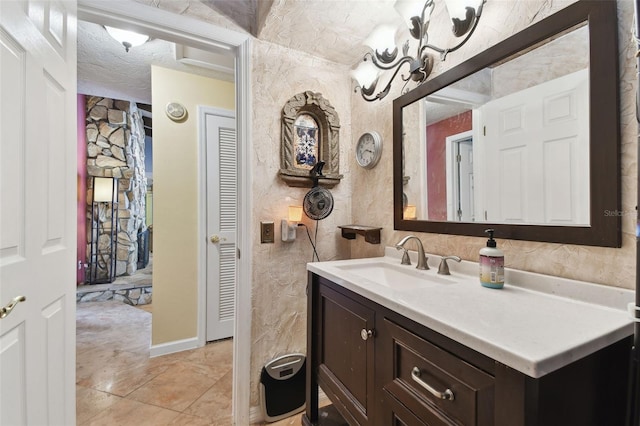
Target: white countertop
535,324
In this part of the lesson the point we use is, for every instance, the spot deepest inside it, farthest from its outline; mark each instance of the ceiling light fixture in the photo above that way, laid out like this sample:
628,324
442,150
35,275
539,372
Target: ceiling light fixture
464,14
128,39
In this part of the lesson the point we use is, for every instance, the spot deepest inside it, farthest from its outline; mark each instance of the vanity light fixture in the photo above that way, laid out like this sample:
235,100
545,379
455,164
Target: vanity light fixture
127,38
289,226
464,14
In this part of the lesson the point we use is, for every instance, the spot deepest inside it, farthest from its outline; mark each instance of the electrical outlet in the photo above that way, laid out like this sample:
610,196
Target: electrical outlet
266,232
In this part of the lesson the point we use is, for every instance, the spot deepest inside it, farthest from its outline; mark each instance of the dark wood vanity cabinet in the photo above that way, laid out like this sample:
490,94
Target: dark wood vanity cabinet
380,368
347,364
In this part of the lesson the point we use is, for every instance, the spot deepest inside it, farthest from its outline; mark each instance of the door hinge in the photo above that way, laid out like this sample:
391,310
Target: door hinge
238,252
484,130
459,158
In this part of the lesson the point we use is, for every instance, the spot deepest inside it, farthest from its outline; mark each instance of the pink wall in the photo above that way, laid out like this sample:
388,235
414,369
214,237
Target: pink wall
82,190
437,161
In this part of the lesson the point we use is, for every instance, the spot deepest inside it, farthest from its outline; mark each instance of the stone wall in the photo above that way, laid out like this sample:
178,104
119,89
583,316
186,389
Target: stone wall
115,148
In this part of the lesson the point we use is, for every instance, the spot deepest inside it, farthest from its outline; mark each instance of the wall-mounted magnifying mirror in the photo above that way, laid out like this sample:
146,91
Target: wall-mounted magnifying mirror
523,137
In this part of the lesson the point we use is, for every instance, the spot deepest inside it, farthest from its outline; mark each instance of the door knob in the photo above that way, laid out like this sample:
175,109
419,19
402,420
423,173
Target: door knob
6,310
217,239
366,334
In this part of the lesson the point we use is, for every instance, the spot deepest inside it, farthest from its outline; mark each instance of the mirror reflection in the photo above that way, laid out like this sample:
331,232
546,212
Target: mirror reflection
507,144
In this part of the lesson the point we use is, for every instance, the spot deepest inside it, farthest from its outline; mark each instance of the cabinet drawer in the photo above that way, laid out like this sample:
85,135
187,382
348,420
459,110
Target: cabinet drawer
432,382
396,414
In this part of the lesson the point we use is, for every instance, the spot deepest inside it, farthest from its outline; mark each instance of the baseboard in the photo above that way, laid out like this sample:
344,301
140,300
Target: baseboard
173,347
256,415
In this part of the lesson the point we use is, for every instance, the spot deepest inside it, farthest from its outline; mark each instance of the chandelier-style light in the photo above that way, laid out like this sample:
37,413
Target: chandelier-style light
464,14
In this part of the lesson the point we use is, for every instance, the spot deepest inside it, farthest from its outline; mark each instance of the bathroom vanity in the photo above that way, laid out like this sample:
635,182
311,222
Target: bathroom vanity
392,345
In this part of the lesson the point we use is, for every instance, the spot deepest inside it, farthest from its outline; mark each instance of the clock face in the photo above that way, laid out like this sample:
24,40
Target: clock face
369,150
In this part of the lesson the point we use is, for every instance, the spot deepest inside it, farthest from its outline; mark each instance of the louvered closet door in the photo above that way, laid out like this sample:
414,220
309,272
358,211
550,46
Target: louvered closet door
221,224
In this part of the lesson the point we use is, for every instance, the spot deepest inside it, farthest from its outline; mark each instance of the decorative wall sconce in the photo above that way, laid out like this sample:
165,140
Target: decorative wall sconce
464,14
127,38
103,231
290,225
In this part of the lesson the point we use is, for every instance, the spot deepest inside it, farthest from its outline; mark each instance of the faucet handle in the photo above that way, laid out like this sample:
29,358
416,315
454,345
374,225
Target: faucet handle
405,256
443,269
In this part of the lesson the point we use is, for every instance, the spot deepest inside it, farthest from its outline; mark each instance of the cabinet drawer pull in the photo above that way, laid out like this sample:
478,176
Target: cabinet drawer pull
365,334
446,395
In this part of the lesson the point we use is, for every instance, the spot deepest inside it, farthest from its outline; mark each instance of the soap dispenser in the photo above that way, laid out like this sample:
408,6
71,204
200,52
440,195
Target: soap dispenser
491,264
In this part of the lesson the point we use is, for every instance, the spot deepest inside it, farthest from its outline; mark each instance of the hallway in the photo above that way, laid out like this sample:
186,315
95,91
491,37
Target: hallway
118,384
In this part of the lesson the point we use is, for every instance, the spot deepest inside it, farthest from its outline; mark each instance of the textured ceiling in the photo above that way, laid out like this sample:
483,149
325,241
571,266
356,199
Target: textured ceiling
242,12
330,29
106,69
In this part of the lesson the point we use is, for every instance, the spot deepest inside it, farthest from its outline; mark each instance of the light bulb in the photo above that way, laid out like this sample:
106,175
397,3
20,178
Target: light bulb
366,74
410,8
382,38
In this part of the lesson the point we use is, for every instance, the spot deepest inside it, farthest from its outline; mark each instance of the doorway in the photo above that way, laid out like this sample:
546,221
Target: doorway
185,30
460,177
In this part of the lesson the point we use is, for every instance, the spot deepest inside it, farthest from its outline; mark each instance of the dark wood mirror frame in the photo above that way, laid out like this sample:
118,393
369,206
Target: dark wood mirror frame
604,130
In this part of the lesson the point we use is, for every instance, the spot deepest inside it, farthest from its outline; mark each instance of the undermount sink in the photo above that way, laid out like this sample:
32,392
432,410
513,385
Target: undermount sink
397,277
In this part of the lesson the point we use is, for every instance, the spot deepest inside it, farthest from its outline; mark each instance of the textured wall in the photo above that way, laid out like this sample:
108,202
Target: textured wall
279,269
602,265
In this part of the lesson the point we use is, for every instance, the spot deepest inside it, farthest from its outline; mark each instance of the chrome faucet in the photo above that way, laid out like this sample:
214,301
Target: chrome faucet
443,269
422,259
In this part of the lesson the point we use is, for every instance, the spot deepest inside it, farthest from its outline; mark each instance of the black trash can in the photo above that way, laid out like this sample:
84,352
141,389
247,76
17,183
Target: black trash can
282,387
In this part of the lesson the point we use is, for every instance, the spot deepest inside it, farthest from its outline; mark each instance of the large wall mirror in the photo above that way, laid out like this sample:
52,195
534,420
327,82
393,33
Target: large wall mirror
523,137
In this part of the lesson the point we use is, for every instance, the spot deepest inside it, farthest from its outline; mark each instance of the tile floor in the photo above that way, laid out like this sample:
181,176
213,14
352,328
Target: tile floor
118,384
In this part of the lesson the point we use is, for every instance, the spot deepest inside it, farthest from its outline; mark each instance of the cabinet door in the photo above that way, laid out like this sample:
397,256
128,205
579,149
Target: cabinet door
346,364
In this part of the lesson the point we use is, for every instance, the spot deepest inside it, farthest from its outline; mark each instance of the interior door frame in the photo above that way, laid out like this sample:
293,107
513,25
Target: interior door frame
450,143
182,29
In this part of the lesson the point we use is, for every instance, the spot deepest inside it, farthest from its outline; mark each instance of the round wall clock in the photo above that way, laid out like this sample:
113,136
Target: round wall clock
369,149
176,111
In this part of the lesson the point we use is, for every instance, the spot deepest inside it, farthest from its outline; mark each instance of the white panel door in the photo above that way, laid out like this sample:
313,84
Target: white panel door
38,211
537,161
220,134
